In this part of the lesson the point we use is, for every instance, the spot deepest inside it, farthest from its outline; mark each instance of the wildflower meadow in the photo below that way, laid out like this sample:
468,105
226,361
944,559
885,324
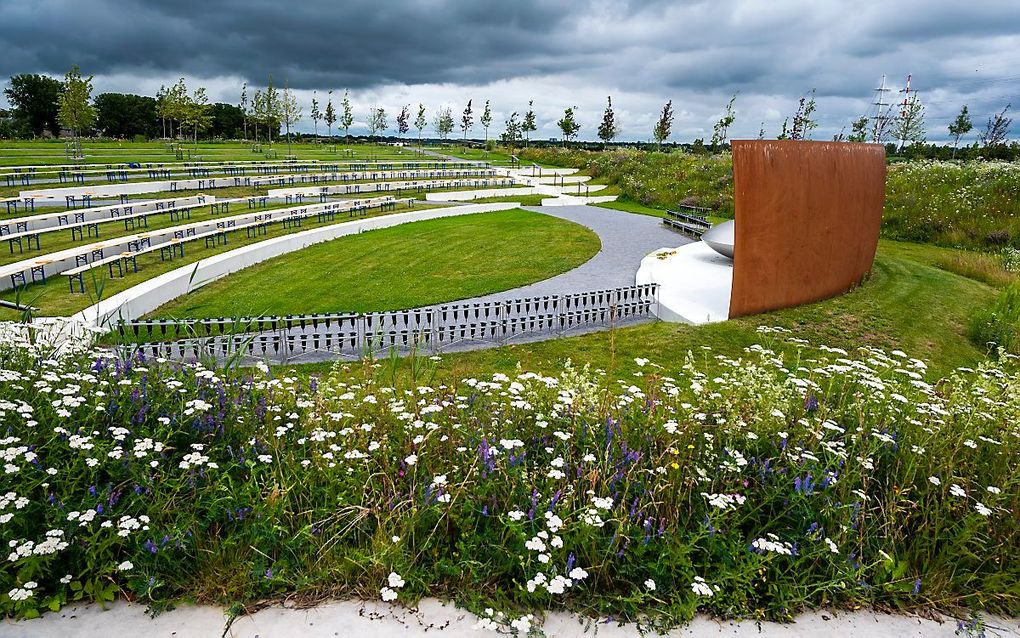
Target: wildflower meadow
751,487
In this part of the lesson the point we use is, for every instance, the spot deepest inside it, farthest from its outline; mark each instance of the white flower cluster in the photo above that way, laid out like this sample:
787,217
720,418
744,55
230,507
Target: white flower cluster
389,592
772,544
725,501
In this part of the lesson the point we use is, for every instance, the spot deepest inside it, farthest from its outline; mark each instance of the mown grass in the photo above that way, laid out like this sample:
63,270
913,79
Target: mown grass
907,303
43,152
629,206
406,266
54,299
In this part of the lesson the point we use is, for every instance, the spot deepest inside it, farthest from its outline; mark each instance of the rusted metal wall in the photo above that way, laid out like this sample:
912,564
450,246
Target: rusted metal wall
807,220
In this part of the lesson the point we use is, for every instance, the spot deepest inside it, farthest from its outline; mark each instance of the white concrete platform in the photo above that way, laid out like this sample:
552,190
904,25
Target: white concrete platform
432,618
694,283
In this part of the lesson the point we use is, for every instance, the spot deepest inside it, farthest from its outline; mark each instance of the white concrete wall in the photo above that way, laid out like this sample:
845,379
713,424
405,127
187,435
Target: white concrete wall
573,200
134,188
149,295
461,196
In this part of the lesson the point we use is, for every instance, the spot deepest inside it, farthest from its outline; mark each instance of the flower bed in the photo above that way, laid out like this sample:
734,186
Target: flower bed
772,485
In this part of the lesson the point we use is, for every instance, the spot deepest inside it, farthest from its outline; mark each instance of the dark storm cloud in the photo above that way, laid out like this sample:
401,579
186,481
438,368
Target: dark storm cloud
560,52
352,43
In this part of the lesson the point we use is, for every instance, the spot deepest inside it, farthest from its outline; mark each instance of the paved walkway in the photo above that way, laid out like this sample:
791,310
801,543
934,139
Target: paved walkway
341,619
626,239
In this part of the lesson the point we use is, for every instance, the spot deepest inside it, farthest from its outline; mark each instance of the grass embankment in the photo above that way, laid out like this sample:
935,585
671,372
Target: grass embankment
54,299
405,266
909,303
752,488
100,153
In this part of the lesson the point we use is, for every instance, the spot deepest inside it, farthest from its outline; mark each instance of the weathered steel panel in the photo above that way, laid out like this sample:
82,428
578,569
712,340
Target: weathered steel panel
807,220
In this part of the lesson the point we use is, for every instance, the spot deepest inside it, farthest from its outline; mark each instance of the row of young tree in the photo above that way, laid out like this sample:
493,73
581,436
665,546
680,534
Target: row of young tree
903,128
44,104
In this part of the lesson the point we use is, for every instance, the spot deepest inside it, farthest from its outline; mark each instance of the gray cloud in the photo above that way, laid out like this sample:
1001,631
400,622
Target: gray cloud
557,52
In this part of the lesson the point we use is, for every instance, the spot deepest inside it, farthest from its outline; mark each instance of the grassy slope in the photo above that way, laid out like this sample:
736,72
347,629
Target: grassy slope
401,267
54,298
907,304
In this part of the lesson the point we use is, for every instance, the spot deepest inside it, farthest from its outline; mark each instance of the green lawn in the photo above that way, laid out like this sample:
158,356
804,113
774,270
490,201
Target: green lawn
631,206
907,304
405,266
53,298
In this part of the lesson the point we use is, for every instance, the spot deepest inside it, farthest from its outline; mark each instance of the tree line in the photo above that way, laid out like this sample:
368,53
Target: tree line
45,106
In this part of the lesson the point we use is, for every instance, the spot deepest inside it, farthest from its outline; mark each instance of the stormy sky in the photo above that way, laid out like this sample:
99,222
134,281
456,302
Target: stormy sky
556,52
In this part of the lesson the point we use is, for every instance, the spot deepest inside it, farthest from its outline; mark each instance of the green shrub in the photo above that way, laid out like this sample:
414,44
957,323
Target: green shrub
999,326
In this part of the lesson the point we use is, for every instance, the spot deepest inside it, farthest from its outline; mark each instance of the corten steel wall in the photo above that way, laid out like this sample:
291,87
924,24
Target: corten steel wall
807,220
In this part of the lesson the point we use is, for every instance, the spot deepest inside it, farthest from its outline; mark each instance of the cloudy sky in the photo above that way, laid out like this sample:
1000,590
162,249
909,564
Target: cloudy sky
556,52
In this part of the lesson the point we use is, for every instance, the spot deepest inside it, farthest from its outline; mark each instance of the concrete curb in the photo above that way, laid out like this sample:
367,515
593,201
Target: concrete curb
432,617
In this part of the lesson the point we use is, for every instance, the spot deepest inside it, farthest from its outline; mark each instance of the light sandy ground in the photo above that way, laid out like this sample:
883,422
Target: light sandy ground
343,619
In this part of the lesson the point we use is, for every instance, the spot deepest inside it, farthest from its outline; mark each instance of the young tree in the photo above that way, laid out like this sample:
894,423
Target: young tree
665,124
161,106
784,133
467,120
197,113
858,130
803,122
346,115
512,135
258,111
909,127
443,122
274,111
486,121
403,125
35,100
76,111
528,126
996,130
722,127
315,114
290,112
882,124
330,115
376,122
761,131
568,125
420,121
608,128
960,127
244,108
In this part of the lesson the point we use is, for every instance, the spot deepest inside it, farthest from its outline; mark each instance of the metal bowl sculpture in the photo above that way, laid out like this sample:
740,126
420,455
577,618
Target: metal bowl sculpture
720,238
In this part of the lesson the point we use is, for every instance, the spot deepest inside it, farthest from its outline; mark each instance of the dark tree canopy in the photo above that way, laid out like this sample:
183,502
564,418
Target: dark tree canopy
126,115
227,121
34,98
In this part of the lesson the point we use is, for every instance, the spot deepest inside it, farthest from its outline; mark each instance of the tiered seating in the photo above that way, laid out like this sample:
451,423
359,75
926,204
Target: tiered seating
253,224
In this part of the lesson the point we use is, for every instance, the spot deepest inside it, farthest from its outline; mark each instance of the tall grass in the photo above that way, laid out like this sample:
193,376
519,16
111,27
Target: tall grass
970,204
830,478
999,325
